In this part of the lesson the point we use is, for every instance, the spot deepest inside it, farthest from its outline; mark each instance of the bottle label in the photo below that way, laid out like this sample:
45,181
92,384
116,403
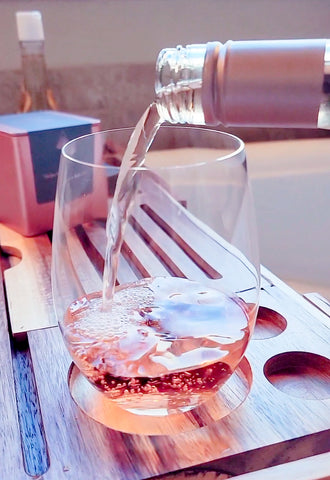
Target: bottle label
45,149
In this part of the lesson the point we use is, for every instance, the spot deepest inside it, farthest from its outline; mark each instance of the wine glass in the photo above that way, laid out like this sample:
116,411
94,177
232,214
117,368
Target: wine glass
167,337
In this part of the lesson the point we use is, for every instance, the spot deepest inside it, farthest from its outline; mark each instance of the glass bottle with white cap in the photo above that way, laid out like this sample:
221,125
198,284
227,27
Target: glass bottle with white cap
36,95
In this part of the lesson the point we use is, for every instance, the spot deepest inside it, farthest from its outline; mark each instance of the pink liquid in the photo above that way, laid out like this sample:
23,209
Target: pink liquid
165,342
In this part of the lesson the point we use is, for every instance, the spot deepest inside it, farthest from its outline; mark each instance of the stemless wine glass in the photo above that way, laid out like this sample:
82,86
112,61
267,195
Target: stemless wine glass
170,339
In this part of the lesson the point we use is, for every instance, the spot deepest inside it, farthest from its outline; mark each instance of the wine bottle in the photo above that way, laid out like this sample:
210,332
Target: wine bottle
274,83
36,93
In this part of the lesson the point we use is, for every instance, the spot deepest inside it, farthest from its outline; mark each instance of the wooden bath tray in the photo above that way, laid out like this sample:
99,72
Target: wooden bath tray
43,434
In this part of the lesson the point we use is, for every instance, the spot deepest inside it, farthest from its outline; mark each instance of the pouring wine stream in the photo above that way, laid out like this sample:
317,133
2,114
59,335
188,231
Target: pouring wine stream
134,156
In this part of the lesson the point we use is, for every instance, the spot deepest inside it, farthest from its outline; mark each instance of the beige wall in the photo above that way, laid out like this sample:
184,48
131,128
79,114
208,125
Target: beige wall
85,32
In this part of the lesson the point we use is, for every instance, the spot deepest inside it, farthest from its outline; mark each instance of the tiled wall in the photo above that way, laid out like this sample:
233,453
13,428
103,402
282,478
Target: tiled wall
118,95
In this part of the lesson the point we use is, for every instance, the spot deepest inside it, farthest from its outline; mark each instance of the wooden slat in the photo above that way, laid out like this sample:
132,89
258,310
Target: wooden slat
311,468
29,281
319,301
316,467
215,257
33,442
95,232
175,258
140,255
88,274
10,441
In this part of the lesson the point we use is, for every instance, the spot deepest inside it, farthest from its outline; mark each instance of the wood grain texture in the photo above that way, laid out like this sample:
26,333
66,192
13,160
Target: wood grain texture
29,280
273,425
33,442
311,468
319,301
10,440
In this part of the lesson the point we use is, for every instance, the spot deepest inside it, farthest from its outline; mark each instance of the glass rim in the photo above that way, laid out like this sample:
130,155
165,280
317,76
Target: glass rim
235,151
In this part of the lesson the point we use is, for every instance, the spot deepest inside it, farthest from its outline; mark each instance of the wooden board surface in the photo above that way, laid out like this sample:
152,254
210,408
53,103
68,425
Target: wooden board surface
284,417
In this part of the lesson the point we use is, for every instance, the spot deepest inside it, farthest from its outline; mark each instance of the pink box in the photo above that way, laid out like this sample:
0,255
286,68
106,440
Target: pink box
30,149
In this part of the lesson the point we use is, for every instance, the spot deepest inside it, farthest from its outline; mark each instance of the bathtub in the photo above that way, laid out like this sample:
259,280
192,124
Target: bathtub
291,186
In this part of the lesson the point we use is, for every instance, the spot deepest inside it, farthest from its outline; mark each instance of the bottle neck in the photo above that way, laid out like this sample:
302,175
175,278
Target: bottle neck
36,92
179,84
249,83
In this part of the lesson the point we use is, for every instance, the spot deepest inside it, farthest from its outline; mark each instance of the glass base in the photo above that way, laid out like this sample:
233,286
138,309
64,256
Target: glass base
155,422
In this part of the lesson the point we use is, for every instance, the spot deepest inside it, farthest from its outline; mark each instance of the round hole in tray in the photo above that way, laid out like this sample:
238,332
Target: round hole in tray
269,324
300,374
12,255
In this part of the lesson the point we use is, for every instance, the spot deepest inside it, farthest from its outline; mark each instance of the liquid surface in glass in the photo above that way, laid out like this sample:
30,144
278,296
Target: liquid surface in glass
167,342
